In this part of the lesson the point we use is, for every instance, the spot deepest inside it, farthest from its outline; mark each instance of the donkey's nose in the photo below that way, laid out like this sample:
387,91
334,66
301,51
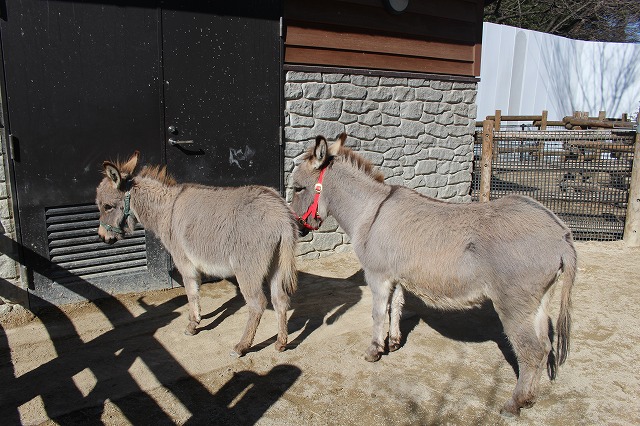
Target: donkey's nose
302,231
109,240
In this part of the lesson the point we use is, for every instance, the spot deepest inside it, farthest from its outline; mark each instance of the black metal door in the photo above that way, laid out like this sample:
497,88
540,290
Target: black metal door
82,85
222,71
89,81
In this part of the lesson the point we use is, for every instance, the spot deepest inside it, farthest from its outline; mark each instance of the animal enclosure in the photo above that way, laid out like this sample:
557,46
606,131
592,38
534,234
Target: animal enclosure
580,168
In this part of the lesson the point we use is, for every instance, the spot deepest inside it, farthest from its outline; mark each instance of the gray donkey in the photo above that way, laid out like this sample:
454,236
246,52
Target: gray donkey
247,232
453,256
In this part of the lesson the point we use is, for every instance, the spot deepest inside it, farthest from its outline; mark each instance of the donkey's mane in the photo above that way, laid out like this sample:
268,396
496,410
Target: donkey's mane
158,173
347,155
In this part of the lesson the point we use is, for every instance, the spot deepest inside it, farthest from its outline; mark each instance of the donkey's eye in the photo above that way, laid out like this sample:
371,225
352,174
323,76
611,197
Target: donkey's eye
108,207
298,189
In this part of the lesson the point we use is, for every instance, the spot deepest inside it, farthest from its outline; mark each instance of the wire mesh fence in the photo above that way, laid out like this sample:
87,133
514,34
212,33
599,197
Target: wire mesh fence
581,175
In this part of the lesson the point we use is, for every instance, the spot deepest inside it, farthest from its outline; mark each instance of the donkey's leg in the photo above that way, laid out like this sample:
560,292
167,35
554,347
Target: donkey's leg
380,290
251,289
530,341
280,301
192,287
397,301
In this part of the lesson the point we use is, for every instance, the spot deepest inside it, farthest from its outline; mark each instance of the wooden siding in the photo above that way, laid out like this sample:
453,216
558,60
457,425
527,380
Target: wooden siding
431,36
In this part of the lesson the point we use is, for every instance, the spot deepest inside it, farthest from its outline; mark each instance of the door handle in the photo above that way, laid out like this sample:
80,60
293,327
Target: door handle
174,142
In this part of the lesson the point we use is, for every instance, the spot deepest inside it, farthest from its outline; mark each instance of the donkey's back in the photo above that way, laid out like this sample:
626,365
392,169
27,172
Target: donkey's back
491,243
223,230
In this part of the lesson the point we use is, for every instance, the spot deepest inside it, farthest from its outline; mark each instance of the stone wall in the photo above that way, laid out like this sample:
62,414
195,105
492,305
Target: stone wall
9,271
419,132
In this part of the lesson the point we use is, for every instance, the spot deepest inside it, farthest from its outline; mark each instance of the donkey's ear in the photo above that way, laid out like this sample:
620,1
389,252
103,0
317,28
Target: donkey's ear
320,152
130,166
112,172
335,147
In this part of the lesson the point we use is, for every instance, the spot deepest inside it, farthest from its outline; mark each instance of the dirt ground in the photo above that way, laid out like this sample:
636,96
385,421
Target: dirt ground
126,360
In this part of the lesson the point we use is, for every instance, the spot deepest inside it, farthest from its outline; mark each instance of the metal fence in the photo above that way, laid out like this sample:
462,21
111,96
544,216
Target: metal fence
581,175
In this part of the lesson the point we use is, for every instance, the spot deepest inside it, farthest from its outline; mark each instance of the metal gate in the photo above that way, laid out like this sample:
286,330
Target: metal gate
89,81
581,175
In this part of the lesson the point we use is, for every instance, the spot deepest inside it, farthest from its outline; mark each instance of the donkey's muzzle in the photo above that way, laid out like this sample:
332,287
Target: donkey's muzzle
109,240
303,229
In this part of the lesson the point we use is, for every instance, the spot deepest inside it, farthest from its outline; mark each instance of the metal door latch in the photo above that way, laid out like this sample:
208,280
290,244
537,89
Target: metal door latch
174,142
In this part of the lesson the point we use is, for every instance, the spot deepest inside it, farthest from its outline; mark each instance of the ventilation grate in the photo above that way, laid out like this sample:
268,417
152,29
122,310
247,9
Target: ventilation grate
78,254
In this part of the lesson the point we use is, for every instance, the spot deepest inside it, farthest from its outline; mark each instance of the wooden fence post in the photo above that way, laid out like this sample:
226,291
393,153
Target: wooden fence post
631,234
485,162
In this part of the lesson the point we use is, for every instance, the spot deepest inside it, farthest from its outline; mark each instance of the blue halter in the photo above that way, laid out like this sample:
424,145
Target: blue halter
127,213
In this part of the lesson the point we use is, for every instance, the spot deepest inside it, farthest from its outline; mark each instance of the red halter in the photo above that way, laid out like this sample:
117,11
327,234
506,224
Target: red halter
313,208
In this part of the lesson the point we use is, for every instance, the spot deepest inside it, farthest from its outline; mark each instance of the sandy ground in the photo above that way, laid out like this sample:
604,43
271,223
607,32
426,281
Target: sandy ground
126,360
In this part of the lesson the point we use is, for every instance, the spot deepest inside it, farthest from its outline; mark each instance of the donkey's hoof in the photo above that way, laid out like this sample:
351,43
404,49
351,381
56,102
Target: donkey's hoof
239,350
234,354
372,355
394,345
280,347
510,409
190,331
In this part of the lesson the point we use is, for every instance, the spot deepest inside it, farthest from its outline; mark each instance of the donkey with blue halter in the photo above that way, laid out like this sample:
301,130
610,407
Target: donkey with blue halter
453,256
207,232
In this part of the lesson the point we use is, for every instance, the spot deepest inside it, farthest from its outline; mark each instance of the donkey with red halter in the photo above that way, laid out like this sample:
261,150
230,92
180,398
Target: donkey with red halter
205,231
453,256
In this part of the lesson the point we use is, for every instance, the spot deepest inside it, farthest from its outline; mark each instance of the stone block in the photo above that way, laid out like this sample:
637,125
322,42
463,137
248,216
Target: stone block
403,94
441,153
447,192
348,91
428,94
415,182
411,110
359,106
329,129
435,180
427,118
380,94
452,97
296,120
435,108
393,81
426,167
326,241
417,82
393,154
408,173
445,118
346,118
300,107
327,109
365,80
292,150
388,132
296,76
335,78
292,91
412,129
390,108
360,131
390,120
298,133
462,176
370,118
375,158
442,85
316,91
437,130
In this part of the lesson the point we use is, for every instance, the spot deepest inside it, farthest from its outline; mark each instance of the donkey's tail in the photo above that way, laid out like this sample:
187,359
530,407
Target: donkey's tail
287,261
563,326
